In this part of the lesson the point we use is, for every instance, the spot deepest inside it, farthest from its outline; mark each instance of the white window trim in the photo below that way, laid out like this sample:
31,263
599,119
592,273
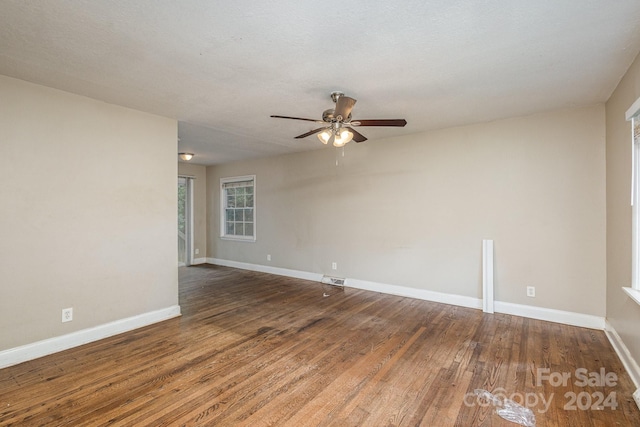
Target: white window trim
223,236
634,294
633,114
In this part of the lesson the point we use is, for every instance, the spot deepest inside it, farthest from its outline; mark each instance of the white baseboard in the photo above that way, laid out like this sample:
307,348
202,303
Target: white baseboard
423,294
195,261
623,353
24,353
540,313
266,269
551,315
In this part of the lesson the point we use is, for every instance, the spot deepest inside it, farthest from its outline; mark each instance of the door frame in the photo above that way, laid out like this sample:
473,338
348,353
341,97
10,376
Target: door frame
188,213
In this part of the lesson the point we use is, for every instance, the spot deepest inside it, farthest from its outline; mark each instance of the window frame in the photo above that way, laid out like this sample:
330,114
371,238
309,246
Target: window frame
223,208
633,115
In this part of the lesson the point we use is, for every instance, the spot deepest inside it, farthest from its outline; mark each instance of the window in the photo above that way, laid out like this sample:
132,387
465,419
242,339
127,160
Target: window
633,115
238,208
635,155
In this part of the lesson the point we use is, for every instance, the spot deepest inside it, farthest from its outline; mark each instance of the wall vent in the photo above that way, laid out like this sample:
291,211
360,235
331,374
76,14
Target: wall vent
335,281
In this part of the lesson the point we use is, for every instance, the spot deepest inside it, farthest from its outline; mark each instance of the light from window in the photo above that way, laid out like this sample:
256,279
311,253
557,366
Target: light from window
238,208
633,115
635,186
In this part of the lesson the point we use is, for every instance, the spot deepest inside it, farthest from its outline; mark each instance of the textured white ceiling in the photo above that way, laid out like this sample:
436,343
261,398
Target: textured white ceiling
222,67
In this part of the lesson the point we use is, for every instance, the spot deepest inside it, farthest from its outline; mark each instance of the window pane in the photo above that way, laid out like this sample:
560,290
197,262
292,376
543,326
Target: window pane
231,201
249,202
230,229
239,229
248,214
248,229
230,216
240,201
249,190
239,214
240,196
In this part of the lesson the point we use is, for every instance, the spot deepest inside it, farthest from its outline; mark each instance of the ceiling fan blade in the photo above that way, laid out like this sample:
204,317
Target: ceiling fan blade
344,104
311,132
380,122
298,118
357,136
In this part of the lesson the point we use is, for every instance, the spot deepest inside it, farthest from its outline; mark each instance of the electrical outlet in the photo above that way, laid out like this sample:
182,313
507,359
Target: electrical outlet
268,257
67,315
531,291
197,251
334,265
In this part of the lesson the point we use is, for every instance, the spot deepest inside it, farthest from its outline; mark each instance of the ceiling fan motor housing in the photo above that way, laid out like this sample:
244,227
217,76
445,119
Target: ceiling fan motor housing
329,116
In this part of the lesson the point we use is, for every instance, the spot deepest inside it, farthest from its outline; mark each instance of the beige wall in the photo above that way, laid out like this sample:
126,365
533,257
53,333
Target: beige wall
88,212
412,211
199,173
622,313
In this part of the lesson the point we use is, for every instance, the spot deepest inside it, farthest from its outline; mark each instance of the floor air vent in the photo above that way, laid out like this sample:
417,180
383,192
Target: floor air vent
335,281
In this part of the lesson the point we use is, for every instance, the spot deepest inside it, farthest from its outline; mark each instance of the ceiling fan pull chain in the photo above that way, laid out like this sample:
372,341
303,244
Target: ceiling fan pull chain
339,153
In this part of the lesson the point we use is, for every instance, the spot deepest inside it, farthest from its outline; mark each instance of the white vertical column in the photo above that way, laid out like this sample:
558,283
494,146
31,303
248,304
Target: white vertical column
487,276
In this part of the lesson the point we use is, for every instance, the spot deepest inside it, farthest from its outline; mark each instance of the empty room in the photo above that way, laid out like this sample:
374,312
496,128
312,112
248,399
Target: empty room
305,213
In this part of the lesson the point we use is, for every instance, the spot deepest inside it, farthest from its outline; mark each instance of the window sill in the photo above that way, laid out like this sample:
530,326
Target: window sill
239,239
634,294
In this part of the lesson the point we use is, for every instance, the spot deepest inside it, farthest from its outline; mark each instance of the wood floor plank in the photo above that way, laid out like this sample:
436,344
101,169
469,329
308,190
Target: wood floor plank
261,350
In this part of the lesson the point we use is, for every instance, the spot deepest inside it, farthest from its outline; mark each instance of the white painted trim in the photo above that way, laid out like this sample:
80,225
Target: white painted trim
403,291
633,110
190,245
197,261
423,294
635,213
266,269
634,294
16,355
487,276
551,315
540,313
623,353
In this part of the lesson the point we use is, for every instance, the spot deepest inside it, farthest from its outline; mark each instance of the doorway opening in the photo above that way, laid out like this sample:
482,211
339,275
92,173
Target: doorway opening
185,221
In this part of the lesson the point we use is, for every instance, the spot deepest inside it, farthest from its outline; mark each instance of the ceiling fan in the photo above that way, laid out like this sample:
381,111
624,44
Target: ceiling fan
338,125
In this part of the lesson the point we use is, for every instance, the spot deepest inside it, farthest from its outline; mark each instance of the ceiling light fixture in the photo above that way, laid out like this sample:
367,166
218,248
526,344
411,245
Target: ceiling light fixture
337,136
186,156
325,135
342,137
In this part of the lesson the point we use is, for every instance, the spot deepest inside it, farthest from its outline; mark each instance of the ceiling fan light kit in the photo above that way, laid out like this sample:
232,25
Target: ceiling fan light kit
338,137
338,129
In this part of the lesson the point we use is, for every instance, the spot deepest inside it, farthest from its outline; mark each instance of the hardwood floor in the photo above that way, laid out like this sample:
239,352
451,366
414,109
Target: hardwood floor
260,350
